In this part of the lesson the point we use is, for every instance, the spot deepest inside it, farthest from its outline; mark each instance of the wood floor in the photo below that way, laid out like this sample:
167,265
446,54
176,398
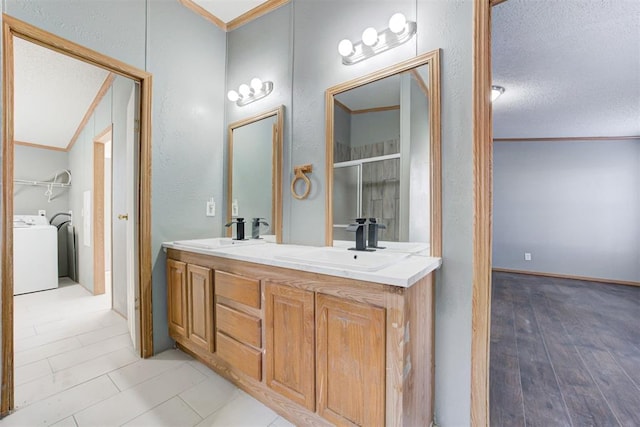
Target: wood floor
564,352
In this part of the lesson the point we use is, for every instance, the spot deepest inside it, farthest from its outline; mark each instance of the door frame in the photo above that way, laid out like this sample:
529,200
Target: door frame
482,220
99,219
13,27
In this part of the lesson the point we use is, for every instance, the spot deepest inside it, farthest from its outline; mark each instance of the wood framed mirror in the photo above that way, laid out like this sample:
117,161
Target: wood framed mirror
254,172
383,154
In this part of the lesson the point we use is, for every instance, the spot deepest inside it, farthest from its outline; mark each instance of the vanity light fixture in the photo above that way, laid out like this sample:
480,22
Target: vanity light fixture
247,93
496,91
373,42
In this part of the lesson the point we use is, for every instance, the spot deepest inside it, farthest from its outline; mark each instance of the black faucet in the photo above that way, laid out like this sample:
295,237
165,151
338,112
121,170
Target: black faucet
361,241
239,222
255,227
373,233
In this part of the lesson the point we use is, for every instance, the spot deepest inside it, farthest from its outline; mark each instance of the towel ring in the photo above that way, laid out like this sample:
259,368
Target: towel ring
300,172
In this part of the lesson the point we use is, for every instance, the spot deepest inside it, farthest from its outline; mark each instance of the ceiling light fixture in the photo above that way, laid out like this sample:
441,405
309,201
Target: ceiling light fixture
248,93
373,42
496,91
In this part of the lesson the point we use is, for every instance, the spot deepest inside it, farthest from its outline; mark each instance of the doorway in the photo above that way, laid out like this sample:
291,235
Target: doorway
13,28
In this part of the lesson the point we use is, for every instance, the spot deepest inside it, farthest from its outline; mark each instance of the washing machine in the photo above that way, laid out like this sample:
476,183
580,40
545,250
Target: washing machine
35,254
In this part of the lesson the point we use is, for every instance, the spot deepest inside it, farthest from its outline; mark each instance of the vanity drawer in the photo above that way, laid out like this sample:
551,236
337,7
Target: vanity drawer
240,356
243,327
238,288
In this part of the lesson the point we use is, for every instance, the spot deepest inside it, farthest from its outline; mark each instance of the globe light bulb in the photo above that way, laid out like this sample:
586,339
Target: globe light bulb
345,47
370,36
233,96
256,84
397,23
244,90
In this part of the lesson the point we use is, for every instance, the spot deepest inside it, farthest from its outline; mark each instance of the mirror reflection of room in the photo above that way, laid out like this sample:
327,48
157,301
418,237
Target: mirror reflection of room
254,177
381,157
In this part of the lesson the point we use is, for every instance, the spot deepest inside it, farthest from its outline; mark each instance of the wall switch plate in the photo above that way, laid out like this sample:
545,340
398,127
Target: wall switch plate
234,207
211,208
527,256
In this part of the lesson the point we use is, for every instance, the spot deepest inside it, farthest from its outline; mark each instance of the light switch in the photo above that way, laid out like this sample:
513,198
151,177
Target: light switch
234,207
211,207
527,256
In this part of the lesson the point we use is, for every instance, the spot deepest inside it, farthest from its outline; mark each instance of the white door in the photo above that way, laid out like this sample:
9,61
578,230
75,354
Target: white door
125,194
133,297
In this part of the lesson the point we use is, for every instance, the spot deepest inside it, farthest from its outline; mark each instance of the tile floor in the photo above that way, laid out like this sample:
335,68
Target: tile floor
75,366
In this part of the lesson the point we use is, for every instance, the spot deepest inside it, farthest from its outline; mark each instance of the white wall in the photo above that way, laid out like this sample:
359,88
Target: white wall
38,164
573,205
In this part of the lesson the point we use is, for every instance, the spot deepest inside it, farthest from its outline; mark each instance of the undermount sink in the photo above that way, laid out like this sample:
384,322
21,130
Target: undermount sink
217,242
344,258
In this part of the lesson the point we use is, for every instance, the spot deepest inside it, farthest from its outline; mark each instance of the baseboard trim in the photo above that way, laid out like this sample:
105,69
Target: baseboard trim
567,276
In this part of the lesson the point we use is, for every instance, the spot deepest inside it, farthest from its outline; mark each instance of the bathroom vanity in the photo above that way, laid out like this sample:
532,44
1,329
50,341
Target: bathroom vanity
319,342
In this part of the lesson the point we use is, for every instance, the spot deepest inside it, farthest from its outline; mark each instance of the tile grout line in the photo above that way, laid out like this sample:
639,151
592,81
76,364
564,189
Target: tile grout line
189,406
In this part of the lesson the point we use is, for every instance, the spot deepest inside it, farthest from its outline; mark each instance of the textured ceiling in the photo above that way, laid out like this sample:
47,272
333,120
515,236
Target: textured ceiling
227,10
570,68
52,94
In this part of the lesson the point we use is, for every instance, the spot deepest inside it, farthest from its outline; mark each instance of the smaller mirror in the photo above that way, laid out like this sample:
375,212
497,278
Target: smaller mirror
254,173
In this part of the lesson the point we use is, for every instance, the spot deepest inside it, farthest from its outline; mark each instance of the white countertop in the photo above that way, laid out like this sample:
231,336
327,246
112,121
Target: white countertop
404,272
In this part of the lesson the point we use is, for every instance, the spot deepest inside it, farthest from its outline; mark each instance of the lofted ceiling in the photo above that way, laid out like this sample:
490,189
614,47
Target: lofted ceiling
52,94
571,68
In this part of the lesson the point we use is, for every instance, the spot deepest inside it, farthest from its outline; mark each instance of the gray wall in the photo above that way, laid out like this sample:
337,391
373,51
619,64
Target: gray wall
378,126
572,205
188,106
263,49
448,25
37,164
318,27
188,124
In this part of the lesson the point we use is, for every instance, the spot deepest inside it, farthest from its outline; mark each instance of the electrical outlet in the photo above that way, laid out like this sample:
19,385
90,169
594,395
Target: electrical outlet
211,207
527,256
42,212
234,207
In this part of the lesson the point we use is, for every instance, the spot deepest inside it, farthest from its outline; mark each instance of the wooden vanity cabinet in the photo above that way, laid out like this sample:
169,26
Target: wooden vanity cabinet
177,297
239,322
200,306
290,348
350,351
190,303
318,349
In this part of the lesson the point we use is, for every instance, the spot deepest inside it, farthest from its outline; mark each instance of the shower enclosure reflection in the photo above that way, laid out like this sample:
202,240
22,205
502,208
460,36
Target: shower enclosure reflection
381,156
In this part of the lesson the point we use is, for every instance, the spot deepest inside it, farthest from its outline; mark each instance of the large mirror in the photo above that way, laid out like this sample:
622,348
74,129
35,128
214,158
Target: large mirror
254,168
383,154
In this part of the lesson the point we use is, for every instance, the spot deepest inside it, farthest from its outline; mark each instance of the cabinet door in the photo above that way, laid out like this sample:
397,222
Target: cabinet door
200,306
350,362
177,297
289,316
